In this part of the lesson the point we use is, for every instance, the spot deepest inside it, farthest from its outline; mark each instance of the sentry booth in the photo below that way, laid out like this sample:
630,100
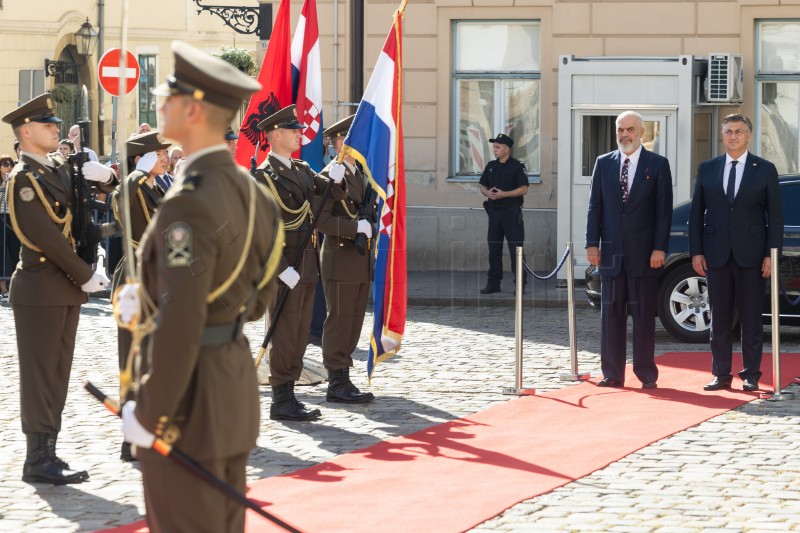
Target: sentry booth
679,99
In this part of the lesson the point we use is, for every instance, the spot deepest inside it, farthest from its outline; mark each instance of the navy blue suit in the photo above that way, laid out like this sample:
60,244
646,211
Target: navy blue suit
735,238
627,233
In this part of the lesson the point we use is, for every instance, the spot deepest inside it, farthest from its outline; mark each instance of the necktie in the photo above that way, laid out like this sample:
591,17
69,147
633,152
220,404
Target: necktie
623,180
732,182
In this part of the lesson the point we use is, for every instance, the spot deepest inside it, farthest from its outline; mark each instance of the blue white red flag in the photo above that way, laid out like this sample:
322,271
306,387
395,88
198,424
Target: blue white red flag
275,78
376,140
307,84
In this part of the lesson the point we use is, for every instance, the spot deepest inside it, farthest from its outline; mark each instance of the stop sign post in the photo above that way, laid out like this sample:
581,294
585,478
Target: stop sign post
111,78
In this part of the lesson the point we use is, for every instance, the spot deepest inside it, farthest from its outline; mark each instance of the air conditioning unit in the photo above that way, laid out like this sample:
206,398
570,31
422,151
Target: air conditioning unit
724,79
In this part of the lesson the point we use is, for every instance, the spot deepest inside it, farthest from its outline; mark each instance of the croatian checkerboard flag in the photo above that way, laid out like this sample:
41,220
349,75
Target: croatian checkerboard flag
376,140
307,84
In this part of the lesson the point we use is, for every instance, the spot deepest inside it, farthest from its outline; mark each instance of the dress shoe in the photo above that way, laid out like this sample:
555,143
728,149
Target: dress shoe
649,385
342,390
609,382
749,384
490,289
316,340
286,407
718,383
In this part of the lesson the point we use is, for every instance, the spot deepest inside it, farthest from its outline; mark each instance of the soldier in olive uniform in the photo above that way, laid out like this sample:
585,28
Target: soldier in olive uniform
207,259
48,286
297,189
346,275
146,155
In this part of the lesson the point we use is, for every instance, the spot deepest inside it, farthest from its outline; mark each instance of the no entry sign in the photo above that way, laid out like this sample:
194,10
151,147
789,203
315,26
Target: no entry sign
111,77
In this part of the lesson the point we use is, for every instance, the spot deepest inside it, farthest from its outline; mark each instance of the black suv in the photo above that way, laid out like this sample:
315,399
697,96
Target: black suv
682,295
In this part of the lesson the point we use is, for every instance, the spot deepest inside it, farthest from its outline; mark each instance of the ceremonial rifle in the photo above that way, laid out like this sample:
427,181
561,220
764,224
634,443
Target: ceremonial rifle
273,319
171,452
85,231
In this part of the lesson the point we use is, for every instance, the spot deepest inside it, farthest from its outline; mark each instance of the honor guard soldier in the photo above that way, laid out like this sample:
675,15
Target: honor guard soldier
48,286
146,154
346,274
207,258
297,189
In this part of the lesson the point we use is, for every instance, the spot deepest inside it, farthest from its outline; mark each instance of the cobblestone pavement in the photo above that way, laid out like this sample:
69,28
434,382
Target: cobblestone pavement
737,472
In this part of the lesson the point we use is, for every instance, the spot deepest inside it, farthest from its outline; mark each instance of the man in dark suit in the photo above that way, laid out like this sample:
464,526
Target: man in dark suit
736,218
627,232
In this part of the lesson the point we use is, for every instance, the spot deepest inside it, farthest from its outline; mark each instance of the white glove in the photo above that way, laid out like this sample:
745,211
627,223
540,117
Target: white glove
128,302
94,171
132,430
98,282
290,277
365,227
147,162
336,173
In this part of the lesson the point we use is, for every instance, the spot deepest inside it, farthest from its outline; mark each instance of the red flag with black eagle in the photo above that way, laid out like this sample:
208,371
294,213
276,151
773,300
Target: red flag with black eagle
275,78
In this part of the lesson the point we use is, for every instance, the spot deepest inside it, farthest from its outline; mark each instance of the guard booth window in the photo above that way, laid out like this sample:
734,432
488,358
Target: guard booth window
496,83
778,86
147,81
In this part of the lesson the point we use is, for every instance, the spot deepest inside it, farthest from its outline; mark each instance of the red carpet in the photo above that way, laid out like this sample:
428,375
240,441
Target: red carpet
455,475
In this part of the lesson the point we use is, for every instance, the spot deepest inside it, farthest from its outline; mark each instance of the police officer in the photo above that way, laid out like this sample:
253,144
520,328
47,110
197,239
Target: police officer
48,286
504,182
297,189
232,140
207,258
346,275
146,155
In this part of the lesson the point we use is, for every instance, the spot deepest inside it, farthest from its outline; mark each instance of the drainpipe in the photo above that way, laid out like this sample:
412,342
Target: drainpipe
101,116
356,50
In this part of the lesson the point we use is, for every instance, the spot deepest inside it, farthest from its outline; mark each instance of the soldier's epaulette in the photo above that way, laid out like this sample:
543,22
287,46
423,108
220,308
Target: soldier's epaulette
192,181
300,162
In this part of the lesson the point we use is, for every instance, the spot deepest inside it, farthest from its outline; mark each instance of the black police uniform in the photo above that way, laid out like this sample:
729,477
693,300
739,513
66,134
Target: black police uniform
505,214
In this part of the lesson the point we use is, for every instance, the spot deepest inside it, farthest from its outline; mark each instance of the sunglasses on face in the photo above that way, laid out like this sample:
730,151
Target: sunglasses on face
6,164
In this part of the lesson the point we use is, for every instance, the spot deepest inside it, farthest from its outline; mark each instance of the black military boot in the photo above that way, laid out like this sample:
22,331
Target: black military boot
342,390
286,407
125,453
42,465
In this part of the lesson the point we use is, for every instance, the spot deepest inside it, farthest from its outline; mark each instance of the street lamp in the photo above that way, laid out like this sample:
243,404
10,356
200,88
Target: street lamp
86,39
85,42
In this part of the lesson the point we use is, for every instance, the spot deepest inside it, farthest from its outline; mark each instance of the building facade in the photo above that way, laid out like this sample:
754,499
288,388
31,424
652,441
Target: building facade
473,68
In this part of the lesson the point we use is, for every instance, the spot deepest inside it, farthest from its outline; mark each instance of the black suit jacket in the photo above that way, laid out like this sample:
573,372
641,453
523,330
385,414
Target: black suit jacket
749,227
628,233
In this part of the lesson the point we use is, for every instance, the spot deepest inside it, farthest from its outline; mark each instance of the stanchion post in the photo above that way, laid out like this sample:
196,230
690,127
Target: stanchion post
518,389
776,395
574,375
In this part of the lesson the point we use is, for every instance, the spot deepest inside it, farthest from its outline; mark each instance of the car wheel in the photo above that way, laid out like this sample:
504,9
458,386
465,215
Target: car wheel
683,306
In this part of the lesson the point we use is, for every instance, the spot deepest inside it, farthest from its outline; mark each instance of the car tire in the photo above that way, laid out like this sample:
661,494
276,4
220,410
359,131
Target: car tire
683,307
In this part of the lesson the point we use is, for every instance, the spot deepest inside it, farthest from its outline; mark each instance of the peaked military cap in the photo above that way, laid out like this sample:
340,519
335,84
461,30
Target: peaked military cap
285,118
145,142
503,139
207,78
340,129
231,135
39,109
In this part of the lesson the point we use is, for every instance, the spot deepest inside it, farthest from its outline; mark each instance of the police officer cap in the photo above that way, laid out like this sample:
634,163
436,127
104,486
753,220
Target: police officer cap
503,139
204,77
230,135
145,142
340,129
285,118
40,109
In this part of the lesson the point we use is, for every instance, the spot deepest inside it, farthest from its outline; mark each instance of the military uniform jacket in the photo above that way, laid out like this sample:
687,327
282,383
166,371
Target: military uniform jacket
199,268
49,273
294,188
142,203
340,258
